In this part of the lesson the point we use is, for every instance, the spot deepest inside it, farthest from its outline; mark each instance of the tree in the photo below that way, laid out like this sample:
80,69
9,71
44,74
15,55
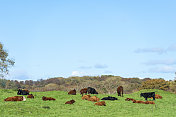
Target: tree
5,62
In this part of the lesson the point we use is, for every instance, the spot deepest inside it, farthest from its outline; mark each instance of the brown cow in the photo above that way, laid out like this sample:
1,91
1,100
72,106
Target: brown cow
138,101
82,91
72,92
30,96
86,97
157,96
94,99
102,103
70,102
15,98
129,99
47,98
149,102
120,90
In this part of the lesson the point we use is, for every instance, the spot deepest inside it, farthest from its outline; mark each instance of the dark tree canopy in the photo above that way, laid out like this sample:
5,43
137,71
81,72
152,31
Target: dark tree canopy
5,62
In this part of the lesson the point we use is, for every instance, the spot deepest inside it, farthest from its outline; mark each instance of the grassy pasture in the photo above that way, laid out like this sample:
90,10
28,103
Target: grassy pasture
82,108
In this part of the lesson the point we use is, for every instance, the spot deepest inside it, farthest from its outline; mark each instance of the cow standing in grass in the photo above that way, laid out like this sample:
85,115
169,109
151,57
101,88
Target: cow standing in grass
82,91
148,95
120,91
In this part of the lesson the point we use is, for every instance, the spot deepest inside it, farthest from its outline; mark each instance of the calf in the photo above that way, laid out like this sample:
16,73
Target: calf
94,99
82,91
91,90
72,92
15,98
70,102
86,97
30,96
102,103
47,98
120,91
148,95
109,98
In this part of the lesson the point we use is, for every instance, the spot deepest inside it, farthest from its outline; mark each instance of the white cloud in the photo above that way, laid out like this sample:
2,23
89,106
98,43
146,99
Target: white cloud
163,69
151,50
77,73
100,66
164,62
85,67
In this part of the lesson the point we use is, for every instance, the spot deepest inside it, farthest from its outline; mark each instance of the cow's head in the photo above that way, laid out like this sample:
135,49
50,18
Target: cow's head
141,94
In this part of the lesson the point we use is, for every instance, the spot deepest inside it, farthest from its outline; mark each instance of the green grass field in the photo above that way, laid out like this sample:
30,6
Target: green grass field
82,108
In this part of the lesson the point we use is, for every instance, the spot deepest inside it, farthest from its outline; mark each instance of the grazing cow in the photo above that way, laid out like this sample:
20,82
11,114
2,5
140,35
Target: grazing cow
94,99
82,91
91,90
109,98
72,92
86,97
157,96
129,99
149,102
148,95
102,103
30,96
15,98
47,98
120,90
70,102
138,101
23,92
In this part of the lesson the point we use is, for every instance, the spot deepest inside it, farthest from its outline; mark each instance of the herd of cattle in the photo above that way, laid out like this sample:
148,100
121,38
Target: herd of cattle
88,91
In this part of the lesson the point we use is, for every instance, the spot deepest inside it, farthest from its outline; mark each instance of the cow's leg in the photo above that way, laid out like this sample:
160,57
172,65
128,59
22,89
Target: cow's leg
153,97
145,98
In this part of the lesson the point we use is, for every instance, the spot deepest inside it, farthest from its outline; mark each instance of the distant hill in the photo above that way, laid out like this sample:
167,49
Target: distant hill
105,84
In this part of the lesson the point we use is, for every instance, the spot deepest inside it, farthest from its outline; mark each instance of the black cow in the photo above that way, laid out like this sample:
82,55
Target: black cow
148,95
109,98
22,92
91,90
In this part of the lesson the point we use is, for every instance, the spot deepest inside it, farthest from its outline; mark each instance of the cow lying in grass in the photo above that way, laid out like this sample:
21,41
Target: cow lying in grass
86,97
129,99
148,95
23,92
94,99
157,96
47,98
70,102
139,101
15,98
72,92
91,90
109,98
30,96
89,98
102,103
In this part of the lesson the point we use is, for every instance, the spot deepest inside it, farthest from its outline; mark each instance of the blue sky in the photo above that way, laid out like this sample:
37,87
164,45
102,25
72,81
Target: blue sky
127,38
